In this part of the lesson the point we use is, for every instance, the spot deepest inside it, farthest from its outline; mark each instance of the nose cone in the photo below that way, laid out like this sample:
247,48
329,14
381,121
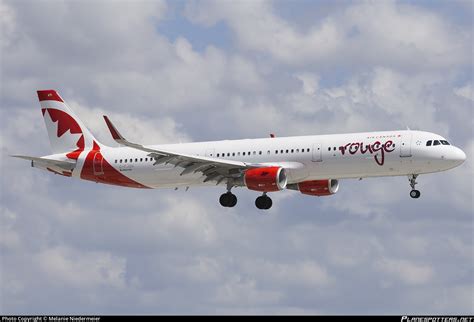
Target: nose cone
458,156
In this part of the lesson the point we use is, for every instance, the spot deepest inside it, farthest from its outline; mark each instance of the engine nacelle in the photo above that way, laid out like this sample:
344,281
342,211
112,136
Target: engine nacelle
266,179
319,187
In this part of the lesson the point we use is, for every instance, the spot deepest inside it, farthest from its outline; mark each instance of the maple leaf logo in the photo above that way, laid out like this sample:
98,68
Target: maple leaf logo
64,132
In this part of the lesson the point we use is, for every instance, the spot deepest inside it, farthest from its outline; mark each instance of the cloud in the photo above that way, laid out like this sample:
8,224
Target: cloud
80,269
383,33
405,271
465,91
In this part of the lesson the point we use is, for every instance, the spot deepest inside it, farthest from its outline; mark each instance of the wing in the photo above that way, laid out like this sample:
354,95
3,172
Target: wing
63,165
213,169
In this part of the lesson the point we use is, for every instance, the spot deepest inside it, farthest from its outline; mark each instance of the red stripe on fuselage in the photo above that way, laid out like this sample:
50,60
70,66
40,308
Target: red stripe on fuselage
108,173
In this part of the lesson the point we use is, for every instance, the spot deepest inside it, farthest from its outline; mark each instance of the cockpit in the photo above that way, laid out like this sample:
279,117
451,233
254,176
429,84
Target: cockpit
437,142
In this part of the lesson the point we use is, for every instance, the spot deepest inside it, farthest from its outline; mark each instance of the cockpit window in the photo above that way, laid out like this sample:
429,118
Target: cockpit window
444,142
428,143
436,142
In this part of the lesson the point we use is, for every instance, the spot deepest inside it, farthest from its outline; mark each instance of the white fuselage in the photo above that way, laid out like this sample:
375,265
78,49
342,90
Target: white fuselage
337,156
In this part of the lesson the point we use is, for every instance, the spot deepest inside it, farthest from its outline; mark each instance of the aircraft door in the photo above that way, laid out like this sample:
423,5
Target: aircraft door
317,153
405,145
97,164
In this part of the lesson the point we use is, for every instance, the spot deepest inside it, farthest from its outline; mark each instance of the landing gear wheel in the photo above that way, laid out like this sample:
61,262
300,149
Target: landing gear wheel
263,202
233,200
228,199
415,194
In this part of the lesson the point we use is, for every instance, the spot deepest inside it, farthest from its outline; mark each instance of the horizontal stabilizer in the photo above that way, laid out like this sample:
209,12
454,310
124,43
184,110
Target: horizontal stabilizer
64,165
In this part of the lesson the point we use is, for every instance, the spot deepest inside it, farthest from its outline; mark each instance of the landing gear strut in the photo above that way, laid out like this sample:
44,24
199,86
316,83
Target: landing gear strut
413,193
228,199
263,202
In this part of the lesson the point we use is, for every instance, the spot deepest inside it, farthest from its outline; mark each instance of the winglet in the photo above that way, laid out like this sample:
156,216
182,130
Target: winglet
115,133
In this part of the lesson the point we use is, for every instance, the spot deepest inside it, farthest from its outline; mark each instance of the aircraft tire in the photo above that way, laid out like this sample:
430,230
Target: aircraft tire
415,194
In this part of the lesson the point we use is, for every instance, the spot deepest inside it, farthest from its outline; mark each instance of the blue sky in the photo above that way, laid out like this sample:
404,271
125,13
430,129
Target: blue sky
204,70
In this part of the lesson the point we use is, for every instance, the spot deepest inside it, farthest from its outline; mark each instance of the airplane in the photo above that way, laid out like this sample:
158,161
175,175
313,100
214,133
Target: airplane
312,165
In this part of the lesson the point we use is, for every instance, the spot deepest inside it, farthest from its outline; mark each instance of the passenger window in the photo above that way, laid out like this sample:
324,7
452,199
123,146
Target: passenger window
131,160
329,149
136,160
141,159
307,150
243,153
276,151
233,154
281,151
286,151
120,160
428,143
297,150
125,160
228,154
268,152
260,152
334,149
435,142
254,153
292,150
115,161
238,153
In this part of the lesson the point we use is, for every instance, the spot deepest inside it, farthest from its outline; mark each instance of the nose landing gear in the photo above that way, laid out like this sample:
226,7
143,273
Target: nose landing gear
414,193
263,202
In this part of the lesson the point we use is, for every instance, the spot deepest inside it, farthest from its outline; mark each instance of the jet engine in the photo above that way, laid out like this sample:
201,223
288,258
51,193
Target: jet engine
266,179
318,187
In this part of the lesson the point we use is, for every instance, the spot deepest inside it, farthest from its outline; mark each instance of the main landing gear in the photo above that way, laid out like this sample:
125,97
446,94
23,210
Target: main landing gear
263,202
414,193
228,199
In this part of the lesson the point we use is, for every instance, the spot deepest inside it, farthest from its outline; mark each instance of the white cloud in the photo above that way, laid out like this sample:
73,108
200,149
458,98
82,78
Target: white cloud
136,129
466,91
406,271
303,274
385,33
81,269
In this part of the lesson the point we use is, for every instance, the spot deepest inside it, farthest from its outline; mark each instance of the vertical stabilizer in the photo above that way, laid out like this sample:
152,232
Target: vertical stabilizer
66,131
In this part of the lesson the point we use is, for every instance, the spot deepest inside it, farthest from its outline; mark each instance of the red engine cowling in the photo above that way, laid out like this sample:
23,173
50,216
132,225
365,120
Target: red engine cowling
319,187
266,179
